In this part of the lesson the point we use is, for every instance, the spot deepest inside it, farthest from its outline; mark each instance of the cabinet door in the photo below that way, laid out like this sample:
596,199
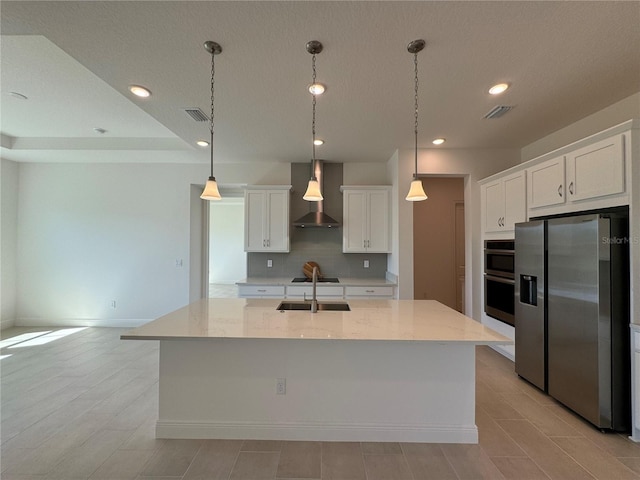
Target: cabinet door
546,183
277,224
515,200
255,220
378,221
596,170
354,221
493,206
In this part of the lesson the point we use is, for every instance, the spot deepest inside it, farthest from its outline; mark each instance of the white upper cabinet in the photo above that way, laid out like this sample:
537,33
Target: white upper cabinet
586,174
504,202
547,183
266,219
596,170
366,219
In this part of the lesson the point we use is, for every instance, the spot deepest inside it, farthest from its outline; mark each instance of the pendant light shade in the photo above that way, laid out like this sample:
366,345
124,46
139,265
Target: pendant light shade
416,191
211,191
313,193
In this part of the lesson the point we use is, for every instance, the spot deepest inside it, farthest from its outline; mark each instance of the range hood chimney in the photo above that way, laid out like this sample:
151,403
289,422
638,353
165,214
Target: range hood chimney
316,218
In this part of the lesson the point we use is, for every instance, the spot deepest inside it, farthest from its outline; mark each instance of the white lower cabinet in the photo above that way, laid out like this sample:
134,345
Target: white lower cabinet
321,291
635,382
332,291
260,291
366,292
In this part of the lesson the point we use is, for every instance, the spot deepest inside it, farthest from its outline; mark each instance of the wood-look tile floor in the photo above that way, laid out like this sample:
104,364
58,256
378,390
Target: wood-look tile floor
82,405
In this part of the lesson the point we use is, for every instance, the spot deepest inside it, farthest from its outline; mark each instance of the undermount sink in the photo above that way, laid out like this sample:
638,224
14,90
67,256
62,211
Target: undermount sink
335,306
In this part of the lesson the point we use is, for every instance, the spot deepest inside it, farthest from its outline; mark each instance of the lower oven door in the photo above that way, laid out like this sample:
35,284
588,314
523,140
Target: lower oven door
498,298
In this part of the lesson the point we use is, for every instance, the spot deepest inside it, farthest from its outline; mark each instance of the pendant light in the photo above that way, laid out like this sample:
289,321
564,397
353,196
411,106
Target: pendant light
416,192
313,193
211,188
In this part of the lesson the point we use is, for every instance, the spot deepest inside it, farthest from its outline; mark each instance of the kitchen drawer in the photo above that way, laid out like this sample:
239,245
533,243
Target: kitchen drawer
369,292
322,291
261,291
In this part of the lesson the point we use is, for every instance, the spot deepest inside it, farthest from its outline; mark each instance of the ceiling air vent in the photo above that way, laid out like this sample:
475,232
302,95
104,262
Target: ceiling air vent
197,114
498,111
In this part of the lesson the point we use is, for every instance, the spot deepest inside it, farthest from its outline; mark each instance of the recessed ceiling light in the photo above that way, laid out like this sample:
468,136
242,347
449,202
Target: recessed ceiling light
139,91
438,141
317,89
19,96
202,143
499,88
318,142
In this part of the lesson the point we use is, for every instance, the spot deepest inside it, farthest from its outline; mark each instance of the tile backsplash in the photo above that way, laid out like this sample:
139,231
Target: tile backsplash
323,246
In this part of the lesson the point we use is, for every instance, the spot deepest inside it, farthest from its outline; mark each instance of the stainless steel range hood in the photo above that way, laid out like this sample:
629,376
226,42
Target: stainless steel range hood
316,218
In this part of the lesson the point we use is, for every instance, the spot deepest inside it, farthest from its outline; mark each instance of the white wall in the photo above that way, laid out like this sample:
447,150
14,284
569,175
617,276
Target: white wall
473,165
365,174
8,241
607,117
91,234
227,258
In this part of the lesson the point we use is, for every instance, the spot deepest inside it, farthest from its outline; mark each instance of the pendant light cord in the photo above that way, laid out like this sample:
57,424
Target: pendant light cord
213,71
415,131
313,121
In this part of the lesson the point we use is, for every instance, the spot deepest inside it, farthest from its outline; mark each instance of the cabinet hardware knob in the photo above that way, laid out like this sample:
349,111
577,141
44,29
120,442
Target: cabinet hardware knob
560,189
571,188
261,290
369,291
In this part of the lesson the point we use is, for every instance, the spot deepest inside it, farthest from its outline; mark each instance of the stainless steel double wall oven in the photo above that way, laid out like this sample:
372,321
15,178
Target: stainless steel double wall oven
499,263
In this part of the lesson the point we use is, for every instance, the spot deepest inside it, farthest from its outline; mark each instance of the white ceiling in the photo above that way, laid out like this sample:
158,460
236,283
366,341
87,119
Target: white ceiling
75,60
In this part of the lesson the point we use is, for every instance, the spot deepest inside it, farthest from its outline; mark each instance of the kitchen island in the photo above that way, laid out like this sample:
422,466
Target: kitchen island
388,370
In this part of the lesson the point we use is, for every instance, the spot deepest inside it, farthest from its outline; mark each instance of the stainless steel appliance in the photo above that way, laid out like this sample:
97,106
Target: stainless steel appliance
572,313
499,279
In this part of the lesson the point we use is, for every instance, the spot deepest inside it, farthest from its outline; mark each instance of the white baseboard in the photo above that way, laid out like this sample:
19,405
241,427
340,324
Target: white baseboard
81,322
503,351
8,323
318,432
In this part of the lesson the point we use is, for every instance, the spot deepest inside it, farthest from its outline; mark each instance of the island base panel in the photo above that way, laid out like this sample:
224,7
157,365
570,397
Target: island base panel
336,390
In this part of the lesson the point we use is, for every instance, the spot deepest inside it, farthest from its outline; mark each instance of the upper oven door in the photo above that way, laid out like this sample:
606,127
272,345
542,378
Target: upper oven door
499,258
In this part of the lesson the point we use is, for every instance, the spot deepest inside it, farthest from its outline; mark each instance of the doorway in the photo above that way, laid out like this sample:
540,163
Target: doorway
227,258
438,243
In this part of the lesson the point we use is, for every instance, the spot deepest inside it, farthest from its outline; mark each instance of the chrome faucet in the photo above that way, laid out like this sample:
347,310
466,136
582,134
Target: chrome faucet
314,299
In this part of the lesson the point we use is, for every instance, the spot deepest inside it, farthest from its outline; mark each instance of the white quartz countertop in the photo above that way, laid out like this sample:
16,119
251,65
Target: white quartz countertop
344,281
391,320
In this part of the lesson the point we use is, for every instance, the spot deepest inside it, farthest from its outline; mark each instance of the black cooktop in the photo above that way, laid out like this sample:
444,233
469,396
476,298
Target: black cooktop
323,279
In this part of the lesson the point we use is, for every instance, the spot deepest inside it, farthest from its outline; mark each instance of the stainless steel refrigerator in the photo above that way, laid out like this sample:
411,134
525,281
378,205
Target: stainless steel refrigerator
572,313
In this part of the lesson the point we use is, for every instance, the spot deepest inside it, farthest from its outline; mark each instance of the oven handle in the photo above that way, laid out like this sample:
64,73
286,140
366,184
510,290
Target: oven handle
510,281
492,250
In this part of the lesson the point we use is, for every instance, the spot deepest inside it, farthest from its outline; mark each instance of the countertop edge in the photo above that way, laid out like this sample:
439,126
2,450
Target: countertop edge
396,340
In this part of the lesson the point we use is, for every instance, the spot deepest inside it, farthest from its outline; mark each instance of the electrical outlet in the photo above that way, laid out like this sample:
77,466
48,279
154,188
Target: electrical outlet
113,304
366,264
178,262
269,263
281,386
